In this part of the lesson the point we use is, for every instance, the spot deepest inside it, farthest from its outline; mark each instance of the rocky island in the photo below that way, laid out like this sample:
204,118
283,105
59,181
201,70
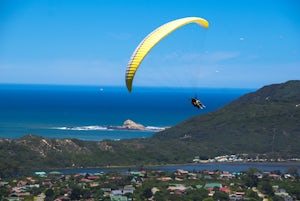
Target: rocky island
131,125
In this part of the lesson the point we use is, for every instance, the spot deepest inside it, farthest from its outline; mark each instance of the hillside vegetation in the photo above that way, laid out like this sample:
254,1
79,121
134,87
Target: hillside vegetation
265,122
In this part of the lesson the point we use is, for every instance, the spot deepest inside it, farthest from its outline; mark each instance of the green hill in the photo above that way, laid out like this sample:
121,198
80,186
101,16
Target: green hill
265,122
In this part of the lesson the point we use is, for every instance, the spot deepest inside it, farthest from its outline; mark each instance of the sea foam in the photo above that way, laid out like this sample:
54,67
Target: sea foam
81,128
95,128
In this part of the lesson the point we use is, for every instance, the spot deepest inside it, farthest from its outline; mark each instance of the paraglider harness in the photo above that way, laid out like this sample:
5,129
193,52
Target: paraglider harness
196,103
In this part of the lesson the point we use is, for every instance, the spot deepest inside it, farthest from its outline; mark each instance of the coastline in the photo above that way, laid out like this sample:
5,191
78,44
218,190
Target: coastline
63,111
127,125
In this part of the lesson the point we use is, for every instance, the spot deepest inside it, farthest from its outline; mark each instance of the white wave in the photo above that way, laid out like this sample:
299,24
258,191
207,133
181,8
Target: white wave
154,128
94,128
81,128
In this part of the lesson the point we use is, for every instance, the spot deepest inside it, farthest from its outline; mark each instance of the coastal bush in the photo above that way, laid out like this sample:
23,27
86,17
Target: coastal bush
251,195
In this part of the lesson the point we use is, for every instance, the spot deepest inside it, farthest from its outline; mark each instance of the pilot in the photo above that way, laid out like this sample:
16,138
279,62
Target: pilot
196,103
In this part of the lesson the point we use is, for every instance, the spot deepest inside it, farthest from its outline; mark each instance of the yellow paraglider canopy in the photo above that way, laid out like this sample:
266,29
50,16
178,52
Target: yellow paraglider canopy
152,39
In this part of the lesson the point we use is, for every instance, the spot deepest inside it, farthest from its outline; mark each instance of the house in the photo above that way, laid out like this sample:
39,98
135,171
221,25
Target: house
258,175
20,194
22,183
240,193
47,183
118,198
207,177
227,175
139,174
84,180
165,179
225,189
179,192
154,190
178,179
13,197
288,176
212,185
181,172
177,187
281,192
116,192
106,191
128,189
274,176
234,197
192,176
94,184
3,183
137,180
41,174
93,177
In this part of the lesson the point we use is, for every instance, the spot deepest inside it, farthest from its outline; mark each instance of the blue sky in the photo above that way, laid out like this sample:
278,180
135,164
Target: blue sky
250,43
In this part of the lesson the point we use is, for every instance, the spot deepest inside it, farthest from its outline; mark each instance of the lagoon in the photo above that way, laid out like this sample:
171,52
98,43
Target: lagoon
229,167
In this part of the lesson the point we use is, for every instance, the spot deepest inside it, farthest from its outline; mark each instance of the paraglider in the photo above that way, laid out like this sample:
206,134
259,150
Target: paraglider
151,40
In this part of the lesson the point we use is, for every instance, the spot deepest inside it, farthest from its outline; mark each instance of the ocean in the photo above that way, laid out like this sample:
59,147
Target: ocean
84,112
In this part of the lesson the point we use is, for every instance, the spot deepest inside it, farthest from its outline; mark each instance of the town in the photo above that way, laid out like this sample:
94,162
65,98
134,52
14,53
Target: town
154,185
243,158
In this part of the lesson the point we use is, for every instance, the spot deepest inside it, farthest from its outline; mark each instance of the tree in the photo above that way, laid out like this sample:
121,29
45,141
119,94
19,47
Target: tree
4,192
49,194
266,188
35,191
250,180
175,197
147,193
277,198
219,195
159,196
75,195
293,171
208,199
251,194
198,194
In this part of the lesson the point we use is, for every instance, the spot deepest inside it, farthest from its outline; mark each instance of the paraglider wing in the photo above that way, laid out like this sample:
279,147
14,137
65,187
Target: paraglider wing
152,39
